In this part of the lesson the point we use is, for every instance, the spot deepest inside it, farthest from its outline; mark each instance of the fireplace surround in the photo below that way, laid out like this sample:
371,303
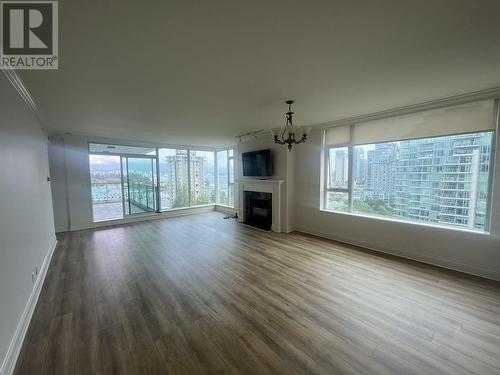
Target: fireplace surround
274,187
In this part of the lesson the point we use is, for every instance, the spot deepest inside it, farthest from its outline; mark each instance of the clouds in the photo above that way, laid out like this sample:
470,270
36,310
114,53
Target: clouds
104,162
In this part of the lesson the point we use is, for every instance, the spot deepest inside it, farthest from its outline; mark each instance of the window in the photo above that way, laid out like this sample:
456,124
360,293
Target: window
222,178
106,186
174,178
129,180
338,165
123,180
225,178
141,182
409,170
202,171
231,177
337,197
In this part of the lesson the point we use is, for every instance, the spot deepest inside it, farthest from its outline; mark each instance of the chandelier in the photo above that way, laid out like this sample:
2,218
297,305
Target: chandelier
291,134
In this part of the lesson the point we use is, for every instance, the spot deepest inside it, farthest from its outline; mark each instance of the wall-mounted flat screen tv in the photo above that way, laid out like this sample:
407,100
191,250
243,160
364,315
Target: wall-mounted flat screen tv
257,163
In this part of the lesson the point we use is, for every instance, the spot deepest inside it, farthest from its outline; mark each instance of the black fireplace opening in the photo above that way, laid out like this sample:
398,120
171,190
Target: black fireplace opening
258,209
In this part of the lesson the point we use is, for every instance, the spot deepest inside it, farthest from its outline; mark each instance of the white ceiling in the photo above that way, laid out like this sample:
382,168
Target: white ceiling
202,72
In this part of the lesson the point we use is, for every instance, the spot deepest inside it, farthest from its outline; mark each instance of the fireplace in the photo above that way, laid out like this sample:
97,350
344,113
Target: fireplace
258,209
273,189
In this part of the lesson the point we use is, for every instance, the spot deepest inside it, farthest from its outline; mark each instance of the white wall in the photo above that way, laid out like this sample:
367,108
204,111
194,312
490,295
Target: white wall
69,162
470,252
26,220
78,180
57,157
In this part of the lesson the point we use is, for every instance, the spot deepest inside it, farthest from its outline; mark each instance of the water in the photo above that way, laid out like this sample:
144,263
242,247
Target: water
106,192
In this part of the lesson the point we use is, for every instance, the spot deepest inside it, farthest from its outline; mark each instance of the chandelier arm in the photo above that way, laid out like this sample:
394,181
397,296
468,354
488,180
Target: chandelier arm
278,141
301,140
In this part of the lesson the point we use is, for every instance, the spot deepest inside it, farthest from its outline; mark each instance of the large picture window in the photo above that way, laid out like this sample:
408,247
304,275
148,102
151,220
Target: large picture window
188,178
202,171
407,168
174,178
225,178
230,156
130,180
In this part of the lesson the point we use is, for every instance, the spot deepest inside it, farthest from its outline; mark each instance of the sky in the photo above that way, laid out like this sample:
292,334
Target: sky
104,162
111,162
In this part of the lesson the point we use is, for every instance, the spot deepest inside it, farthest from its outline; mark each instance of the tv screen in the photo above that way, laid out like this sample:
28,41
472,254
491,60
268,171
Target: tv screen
257,163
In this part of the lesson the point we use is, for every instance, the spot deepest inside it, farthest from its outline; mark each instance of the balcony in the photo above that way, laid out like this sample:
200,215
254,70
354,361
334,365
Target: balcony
107,210
108,202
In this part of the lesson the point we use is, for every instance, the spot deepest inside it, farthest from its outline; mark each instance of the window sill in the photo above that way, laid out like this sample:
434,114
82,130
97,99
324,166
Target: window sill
225,206
118,219
407,222
187,207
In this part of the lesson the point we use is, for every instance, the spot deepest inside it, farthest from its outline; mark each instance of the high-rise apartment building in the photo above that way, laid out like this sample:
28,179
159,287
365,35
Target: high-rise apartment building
360,167
443,179
175,178
339,167
380,171
198,186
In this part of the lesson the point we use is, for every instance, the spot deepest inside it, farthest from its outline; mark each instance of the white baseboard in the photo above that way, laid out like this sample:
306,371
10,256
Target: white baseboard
61,229
9,362
455,266
225,209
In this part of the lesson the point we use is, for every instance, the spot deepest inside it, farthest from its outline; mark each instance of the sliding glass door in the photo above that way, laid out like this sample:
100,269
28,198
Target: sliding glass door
106,187
138,179
123,179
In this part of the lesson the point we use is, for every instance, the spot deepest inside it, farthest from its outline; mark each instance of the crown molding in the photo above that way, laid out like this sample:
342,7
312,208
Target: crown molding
22,90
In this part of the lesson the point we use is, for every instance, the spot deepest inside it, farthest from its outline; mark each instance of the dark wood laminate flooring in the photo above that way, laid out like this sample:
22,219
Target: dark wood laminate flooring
203,295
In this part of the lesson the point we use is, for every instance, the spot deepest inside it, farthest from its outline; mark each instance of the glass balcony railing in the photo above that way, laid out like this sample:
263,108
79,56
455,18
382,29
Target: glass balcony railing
141,195
106,192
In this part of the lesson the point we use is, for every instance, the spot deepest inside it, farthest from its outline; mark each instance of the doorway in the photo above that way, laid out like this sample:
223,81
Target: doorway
138,184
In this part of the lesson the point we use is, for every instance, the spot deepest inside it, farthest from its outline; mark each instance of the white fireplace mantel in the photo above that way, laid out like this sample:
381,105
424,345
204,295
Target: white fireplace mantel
263,186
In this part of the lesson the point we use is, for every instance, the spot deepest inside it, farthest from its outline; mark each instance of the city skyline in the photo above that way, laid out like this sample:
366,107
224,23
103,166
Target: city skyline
439,180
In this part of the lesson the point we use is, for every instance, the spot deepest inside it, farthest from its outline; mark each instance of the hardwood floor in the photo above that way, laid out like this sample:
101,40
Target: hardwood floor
203,295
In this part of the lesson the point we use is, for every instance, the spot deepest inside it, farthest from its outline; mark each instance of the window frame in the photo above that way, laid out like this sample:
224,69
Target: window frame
230,185
326,188
187,149
350,179
190,194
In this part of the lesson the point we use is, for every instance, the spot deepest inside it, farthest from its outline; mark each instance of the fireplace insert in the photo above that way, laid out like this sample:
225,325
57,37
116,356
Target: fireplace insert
258,209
